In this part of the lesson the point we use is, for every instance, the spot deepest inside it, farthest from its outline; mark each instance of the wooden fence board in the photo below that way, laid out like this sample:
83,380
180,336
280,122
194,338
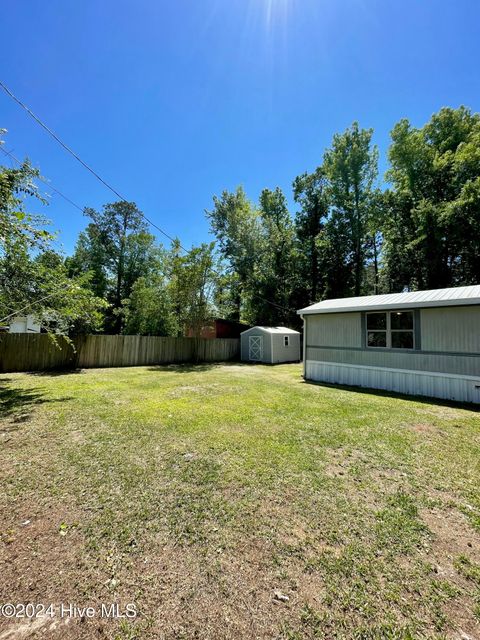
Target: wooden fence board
38,352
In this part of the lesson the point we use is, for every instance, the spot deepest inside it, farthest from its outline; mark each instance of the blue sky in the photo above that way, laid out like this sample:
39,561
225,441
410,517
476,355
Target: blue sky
174,101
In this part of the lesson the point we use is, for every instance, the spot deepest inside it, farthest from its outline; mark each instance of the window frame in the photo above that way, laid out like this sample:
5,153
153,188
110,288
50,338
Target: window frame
388,330
286,341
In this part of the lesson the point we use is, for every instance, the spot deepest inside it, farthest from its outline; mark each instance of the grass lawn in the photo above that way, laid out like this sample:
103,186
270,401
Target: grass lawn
237,502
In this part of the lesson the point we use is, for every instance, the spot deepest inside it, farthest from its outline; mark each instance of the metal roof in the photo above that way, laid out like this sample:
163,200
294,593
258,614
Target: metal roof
453,296
273,329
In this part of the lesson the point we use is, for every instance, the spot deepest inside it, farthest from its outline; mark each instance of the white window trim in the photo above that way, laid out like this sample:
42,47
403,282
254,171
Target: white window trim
286,341
389,330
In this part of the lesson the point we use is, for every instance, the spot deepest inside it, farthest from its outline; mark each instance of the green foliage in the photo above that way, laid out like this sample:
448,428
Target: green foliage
149,310
432,239
236,225
347,237
118,250
33,277
192,281
272,281
351,168
310,192
177,299
258,245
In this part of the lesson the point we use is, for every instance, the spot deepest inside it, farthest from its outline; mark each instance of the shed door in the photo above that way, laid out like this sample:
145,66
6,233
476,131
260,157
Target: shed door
255,347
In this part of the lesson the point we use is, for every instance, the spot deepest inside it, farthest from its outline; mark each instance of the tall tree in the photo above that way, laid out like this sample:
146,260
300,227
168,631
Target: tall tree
351,168
33,278
435,173
117,249
149,310
310,192
192,283
90,256
273,276
235,223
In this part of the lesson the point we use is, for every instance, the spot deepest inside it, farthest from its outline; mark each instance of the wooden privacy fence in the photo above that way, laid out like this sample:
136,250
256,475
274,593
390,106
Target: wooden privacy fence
37,352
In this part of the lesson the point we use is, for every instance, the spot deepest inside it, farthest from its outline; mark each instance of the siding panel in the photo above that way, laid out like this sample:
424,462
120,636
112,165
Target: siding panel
281,353
416,360
335,329
451,329
458,388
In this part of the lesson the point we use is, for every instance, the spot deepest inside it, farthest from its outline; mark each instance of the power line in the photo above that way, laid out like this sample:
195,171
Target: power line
104,182
77,157
31,304
10,154
50,186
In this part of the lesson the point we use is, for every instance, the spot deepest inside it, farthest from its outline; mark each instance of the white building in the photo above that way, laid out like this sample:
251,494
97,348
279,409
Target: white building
270,345
24,324
420,342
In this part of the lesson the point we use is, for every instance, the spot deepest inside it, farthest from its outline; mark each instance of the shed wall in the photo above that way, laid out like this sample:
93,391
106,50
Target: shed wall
281,353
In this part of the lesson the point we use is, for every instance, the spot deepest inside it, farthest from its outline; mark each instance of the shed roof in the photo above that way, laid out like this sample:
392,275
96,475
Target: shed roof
453,296
272,330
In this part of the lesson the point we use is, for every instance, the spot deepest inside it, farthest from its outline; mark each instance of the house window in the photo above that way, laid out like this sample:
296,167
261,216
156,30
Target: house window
286,341
390,330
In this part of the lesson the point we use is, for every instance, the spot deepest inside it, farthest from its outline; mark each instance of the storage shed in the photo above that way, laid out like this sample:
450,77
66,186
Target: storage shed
270,344
420,343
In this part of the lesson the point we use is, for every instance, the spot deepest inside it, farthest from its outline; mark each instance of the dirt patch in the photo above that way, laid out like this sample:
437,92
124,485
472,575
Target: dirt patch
247,369
198,390
340,462
42,560
354,464
452,534
223,595
78,437
424,427
452,538
47,626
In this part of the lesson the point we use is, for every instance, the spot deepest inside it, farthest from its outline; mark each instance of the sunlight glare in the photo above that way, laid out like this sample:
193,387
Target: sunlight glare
275,10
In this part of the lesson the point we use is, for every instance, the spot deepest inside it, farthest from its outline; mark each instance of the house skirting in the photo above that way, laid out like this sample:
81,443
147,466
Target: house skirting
424,383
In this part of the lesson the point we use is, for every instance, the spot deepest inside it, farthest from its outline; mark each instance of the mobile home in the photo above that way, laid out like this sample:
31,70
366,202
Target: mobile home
420,343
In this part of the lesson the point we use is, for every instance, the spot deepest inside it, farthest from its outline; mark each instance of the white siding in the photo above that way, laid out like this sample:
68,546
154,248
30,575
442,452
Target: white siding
424,383
447,364
282,353
335,330
24,324
451,329
274,349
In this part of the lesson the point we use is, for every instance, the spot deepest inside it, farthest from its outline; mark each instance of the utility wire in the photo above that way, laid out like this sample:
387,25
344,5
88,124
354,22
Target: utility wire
50,186
77,157
31,304
104,182
10,154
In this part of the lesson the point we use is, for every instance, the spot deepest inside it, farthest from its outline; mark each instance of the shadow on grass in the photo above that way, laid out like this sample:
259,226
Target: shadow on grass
187,367
56,372
467,406
18,403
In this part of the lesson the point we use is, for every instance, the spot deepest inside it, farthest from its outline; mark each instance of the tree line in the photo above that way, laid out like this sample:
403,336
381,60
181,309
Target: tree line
353,232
